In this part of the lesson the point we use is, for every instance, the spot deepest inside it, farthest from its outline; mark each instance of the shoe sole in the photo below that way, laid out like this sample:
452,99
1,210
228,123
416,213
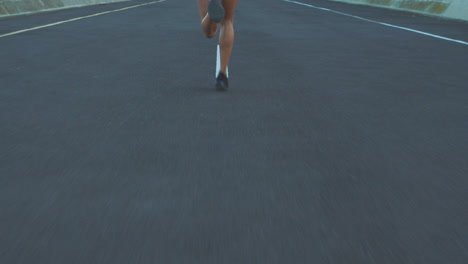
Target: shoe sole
215,11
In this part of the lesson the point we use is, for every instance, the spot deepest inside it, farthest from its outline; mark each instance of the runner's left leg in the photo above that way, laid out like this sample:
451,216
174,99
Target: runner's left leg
209,27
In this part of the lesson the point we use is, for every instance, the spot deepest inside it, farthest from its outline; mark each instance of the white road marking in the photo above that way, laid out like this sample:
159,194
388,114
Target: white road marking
381,23
78,18
218,63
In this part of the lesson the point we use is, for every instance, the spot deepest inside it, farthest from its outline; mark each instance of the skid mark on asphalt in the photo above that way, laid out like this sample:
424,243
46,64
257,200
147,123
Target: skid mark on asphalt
78,18
380,23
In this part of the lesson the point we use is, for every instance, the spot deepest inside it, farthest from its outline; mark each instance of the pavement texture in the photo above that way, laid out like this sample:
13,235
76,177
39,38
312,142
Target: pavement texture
339,141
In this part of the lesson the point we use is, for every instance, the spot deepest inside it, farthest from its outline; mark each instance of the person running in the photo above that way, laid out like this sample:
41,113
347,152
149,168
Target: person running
214,13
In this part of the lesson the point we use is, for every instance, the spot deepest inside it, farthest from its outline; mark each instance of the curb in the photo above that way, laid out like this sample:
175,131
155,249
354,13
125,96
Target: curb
453,9
21,7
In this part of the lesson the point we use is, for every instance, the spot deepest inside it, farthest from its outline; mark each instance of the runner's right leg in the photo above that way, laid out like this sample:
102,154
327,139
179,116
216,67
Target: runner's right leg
226,36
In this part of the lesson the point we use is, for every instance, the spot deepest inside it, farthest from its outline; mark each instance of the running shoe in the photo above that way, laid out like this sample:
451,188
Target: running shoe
216,10
221,82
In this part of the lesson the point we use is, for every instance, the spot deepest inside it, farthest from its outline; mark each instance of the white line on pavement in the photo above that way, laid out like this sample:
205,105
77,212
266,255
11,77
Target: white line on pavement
78,18
381,23
218,63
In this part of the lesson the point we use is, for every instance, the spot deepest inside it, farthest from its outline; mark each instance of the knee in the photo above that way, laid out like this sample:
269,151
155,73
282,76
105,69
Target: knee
210,34
226,23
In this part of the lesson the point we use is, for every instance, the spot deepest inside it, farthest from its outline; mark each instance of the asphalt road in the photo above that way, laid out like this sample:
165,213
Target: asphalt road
339,141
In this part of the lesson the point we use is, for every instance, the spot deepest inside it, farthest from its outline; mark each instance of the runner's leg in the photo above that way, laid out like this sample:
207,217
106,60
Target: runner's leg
209,27
226,37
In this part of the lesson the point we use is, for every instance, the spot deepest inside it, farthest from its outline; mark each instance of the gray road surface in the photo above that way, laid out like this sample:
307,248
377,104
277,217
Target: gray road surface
340,140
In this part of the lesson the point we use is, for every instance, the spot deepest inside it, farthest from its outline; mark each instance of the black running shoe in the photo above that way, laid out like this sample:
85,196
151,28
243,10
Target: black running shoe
221,82
215,10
